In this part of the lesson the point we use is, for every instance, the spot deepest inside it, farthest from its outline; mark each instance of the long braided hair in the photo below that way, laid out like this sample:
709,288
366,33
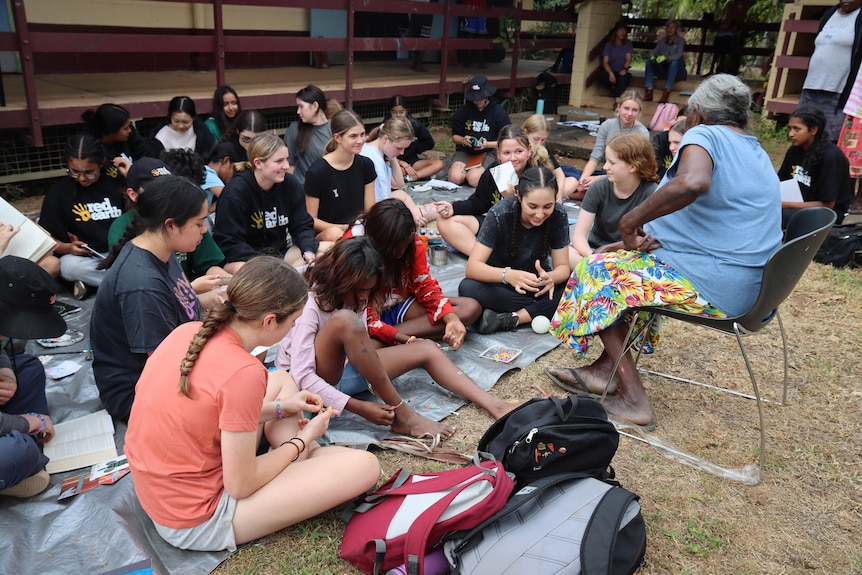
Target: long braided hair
532,179
812,117
264,285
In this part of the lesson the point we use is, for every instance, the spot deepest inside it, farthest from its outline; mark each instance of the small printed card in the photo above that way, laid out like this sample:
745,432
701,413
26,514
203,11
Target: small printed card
104,473
501,353
63,369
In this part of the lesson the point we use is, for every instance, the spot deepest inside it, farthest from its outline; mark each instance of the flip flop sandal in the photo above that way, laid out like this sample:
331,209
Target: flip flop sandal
426,446
575,389
624,423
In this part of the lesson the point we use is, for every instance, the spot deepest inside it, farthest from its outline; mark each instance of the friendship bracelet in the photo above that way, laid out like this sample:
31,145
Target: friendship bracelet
400,403
42,427
410,339
278,413
503,278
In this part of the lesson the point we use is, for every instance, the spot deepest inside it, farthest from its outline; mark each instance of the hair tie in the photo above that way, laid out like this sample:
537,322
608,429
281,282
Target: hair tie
229,306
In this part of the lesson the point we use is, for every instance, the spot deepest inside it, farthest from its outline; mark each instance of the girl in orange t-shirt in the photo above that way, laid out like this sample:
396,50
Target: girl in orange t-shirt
204,402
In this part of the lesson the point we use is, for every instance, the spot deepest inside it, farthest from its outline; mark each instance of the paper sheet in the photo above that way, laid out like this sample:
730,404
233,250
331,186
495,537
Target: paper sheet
504,175
790,191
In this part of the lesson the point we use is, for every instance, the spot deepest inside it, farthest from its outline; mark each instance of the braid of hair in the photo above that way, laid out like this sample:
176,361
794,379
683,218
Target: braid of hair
513,247
131,232
546,241
213,322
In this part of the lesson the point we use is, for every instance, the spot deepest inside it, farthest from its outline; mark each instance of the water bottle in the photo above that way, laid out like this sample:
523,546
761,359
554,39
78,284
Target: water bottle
435,564
540,106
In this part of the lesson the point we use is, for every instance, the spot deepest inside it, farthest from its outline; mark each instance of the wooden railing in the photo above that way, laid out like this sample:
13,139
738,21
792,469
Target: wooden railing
79,40
644,31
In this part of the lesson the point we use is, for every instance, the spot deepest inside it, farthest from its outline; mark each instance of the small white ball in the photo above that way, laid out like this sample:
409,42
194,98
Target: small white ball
541,324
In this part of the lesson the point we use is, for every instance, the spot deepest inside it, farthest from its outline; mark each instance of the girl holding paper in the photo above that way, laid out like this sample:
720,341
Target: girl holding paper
818,165
459,222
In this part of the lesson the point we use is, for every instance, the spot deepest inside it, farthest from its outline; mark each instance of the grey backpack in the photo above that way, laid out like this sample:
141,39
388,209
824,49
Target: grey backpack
561,524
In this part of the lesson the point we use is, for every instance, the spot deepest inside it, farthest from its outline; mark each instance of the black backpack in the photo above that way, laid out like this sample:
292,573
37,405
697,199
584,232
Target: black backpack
842,246
549,436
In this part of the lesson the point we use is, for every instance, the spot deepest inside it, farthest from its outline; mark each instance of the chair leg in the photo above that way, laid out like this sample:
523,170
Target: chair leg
757,397
784,349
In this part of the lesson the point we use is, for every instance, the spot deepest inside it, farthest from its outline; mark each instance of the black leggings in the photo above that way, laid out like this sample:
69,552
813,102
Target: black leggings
502,298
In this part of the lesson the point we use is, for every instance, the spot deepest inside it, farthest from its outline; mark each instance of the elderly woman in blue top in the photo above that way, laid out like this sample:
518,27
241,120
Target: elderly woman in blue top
698,244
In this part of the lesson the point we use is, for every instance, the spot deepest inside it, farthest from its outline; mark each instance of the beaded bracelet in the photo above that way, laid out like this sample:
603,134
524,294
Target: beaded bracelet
42,427
278,413
503,278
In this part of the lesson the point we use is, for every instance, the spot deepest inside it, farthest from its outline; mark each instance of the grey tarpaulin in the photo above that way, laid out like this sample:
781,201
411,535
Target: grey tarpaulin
106,528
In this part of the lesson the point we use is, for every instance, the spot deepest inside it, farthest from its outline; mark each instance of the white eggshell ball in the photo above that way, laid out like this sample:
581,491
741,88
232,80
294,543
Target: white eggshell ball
541,324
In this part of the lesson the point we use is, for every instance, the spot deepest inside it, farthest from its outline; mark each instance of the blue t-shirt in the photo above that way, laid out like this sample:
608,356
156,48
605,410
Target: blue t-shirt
721,241
212,181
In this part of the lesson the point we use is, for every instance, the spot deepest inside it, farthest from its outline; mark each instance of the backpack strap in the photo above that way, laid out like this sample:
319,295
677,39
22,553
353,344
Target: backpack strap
416,541
379,556
597,547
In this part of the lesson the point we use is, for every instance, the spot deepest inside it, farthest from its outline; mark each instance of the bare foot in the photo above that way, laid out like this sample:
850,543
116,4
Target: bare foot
501,408
639,413
408,422
593,378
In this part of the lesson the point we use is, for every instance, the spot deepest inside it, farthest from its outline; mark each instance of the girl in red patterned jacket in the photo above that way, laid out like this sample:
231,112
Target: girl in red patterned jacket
415,305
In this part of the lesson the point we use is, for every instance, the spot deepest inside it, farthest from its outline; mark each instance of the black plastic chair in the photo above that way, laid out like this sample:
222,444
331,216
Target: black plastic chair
805,233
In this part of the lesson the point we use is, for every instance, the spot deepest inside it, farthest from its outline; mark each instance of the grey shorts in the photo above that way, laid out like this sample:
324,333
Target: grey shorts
490,158
214,534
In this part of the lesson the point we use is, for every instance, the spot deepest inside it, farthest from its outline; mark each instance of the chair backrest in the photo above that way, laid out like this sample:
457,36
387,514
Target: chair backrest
806,230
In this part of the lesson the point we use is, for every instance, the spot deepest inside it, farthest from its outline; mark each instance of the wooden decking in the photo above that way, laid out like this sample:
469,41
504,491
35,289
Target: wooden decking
63,97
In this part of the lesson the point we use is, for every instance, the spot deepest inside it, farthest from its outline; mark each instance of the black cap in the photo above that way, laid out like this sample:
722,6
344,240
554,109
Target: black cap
144,171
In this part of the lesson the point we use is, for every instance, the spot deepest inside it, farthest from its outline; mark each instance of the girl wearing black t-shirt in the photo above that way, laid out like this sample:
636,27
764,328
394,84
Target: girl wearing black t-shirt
340,185
820,167
458,222
519,266
78,212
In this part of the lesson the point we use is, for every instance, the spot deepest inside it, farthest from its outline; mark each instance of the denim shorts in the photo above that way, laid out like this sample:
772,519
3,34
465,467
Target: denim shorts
352,383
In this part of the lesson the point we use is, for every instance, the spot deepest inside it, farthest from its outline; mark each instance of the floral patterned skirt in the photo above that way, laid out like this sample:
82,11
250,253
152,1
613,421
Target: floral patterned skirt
604,286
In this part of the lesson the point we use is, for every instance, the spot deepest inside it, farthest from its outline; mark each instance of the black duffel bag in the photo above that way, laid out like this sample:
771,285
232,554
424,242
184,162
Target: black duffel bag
842,246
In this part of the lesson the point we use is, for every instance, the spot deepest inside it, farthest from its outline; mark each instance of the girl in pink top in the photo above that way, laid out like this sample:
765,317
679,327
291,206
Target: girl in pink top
330,353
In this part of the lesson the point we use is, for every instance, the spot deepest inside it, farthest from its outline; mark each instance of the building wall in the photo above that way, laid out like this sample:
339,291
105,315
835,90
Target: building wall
595,18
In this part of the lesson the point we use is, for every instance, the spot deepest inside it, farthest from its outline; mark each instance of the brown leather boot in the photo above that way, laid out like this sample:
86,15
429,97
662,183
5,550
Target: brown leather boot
664,96
648,95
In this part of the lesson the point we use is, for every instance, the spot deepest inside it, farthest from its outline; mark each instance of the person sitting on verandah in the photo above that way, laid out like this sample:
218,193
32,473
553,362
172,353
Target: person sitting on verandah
698,244
666,61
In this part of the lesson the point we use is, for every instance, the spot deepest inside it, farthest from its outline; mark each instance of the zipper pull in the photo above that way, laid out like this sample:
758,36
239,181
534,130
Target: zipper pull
529,437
